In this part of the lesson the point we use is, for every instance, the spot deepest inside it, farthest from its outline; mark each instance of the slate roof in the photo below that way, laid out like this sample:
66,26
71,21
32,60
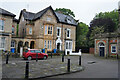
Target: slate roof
7,13
59,16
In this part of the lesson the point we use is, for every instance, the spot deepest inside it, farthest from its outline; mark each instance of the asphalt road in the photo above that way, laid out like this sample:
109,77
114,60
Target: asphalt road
102,68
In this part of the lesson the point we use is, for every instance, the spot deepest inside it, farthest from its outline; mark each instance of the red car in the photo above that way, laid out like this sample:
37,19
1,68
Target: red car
33,53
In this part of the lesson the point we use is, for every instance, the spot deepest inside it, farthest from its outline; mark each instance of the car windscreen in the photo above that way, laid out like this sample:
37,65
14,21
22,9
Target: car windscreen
26,51
37,51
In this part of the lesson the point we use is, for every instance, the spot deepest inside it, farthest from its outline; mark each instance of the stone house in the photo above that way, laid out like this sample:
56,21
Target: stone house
46,29
6,21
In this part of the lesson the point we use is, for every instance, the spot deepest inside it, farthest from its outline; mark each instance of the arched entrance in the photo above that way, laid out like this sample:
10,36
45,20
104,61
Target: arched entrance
20,44
32,45
26,44
101,49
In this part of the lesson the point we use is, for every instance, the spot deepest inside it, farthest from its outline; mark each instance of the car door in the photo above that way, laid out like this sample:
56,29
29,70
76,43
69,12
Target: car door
38,53
33,54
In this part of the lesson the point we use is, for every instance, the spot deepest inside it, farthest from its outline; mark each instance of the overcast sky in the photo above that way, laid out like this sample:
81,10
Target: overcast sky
84,10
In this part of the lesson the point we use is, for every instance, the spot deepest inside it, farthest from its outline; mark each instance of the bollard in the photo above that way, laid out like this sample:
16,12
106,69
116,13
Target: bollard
27,70
79,60
68,67
117,56
63,58
36,57
51,54
7,58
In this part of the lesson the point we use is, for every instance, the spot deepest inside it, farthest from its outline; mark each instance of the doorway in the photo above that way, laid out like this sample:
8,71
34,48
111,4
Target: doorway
58,46
32,45
101,49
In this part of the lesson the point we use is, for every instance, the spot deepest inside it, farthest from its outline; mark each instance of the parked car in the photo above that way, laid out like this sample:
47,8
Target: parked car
33,53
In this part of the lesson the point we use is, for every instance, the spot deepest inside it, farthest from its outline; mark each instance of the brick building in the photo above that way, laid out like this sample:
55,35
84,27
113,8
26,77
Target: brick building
108,44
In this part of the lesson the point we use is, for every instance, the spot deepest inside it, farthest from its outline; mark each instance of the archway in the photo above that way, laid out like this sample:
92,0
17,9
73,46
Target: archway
20,44
32,45
101,49
26,44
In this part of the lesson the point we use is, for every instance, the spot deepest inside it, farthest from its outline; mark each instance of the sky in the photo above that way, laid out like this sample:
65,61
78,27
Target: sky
84,10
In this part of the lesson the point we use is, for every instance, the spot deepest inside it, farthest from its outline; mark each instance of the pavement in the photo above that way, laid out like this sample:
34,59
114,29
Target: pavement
52,66
95,67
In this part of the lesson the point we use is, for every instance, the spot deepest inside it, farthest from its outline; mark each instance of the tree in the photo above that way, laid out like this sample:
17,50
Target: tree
81,33
114,15
65,11
103,23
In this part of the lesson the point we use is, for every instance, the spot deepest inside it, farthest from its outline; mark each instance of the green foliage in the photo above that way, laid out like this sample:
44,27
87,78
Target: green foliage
103,23
114,15
94,31
65,11
81,33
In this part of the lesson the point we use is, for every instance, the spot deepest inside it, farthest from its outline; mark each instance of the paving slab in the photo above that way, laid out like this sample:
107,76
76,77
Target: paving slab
52,66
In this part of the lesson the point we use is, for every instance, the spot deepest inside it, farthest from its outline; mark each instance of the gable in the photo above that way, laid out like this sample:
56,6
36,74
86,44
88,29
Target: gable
49,16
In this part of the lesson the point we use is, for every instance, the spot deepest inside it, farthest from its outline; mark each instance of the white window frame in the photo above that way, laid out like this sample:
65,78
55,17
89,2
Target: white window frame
2,22
2,42
67,33
12,44
30,30
112,48
67,45
59,31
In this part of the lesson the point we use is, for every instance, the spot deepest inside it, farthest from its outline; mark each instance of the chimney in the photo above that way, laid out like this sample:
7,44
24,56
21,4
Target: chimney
24,10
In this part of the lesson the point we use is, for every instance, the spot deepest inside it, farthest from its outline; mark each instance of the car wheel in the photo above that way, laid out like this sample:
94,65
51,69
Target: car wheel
45,57
29,58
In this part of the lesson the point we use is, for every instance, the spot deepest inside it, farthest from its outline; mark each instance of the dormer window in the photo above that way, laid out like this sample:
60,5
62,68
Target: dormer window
68,20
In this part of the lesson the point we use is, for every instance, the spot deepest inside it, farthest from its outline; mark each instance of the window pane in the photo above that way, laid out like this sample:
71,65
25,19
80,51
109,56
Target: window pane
30,30
2,42
37,51
45,44
1,24
48,44
66,45
113,49
32,51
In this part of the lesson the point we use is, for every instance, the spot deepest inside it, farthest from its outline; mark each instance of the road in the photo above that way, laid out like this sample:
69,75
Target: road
102,68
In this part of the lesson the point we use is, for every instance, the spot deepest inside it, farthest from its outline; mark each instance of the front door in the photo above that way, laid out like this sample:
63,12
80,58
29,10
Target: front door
101,51
58,46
